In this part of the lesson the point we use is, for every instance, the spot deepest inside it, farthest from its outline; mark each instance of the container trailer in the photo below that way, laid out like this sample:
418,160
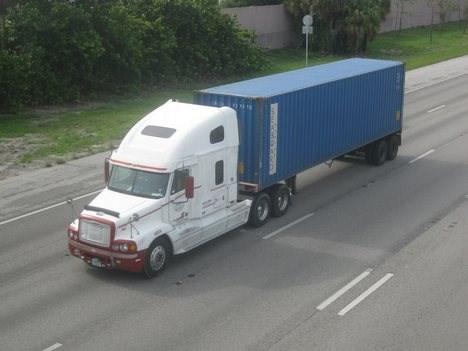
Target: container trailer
187,173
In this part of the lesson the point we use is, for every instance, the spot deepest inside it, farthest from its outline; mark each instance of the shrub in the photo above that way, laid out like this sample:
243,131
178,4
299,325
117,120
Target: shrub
14,86
59,42
57,51
341,26
208,43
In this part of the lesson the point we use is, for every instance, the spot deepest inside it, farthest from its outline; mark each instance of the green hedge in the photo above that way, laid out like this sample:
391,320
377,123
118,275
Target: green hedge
57,51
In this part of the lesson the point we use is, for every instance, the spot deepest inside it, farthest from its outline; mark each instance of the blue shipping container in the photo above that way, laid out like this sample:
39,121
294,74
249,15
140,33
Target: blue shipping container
291,121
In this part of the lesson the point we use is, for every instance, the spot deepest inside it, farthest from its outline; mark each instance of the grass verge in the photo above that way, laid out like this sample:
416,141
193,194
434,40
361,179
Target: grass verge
70,132
414,48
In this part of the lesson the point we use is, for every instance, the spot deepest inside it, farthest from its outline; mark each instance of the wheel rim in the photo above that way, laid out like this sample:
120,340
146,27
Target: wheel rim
262,210
157,258
282,201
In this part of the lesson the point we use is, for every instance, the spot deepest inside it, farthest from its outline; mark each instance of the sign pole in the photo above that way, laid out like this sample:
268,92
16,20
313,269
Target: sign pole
307,29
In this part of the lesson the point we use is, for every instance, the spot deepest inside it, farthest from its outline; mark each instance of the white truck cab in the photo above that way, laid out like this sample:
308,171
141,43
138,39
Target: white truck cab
171,186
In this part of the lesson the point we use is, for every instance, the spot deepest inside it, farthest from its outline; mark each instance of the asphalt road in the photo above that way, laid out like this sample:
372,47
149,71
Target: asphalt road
400,229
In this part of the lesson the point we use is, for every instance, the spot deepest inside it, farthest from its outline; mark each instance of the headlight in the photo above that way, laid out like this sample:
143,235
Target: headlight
72,234
128,247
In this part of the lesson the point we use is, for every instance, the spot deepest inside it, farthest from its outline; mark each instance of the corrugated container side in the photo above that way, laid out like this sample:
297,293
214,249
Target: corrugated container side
285,134
322,122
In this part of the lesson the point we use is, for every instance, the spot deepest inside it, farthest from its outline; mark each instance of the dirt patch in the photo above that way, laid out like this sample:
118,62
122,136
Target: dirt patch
70,107
12,151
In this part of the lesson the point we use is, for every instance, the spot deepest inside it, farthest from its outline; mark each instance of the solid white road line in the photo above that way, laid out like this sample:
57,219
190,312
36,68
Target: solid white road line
53,347
427,153
47,208
287,226
344,289
436,109
365,294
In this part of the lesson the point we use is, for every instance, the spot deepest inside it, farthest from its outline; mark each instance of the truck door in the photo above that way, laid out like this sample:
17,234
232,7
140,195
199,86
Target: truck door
179,205
215,199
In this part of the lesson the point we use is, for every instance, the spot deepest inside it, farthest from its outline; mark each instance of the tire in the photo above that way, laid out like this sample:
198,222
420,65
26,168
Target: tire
260,210
392,148
280,199
157,257
377,154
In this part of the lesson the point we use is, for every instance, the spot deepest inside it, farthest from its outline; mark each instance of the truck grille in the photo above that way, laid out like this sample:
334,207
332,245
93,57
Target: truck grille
95,233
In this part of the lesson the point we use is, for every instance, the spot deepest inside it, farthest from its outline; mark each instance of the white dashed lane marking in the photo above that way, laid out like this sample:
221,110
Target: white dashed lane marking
287,226
53,347
365,294
436,109
47,208
427,153
344,289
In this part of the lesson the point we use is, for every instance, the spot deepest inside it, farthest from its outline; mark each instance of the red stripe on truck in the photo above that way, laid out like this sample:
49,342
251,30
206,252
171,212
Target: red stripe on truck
138,166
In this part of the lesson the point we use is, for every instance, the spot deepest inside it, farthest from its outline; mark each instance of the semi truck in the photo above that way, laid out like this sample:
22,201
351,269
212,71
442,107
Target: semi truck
188,173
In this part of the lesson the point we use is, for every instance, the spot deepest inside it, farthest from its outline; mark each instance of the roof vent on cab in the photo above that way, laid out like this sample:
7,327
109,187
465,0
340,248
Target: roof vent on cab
158,131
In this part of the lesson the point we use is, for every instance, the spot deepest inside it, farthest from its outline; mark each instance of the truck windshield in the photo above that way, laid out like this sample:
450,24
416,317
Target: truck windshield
139,183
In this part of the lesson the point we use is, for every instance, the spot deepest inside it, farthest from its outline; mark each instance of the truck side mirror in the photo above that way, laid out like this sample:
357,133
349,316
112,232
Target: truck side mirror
106,169
189,187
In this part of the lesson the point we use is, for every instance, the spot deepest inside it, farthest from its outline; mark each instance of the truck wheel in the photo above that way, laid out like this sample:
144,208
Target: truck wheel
280,199
392,148
379,152
260,210
157,257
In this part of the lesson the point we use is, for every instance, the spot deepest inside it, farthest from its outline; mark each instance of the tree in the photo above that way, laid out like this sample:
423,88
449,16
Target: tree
362,22
401,12
341,26
445,7
66,50
462,8
432,4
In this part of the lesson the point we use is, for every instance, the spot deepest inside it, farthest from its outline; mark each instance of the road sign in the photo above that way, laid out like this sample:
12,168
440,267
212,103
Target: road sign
307,30
307,20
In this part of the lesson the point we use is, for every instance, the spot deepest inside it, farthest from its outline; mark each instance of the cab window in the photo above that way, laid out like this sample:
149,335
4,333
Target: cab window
217,135
219,172
178,183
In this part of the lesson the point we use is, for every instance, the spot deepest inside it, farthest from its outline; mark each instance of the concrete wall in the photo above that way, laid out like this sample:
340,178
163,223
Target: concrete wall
271,23
415,13
274,27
